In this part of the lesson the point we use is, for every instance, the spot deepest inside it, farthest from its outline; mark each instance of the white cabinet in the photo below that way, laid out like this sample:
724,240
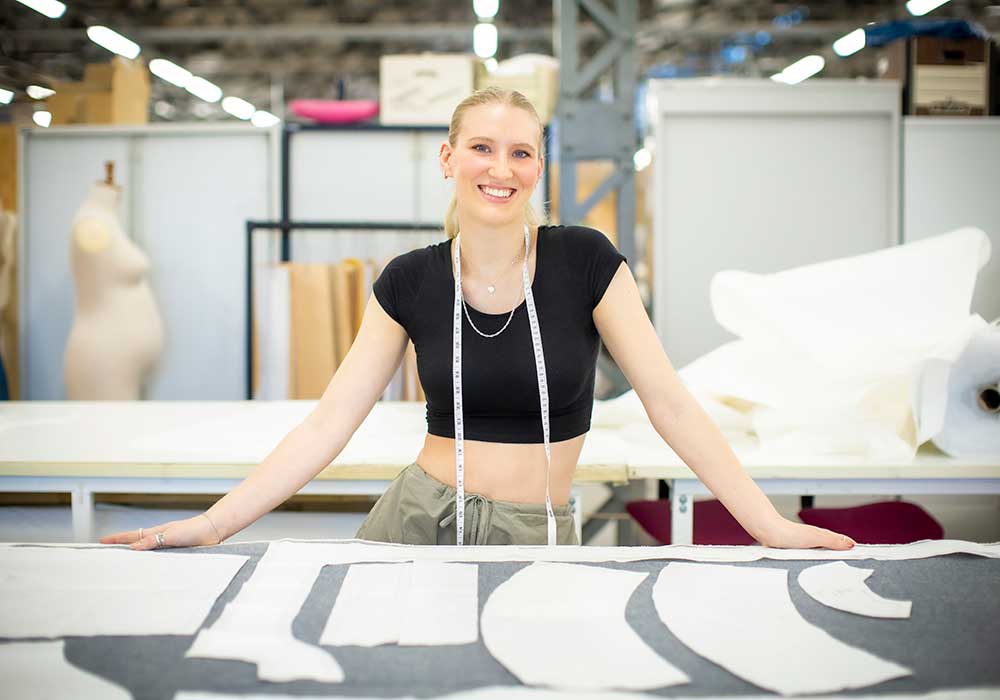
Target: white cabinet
759,176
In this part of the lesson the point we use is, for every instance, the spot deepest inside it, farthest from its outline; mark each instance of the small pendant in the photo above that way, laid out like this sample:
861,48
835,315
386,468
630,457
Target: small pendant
491,289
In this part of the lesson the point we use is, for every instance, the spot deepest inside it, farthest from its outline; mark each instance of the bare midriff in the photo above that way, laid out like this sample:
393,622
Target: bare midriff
503,471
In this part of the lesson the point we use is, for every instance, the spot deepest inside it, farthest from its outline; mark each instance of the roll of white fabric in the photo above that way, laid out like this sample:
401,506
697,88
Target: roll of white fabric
957,404
828,354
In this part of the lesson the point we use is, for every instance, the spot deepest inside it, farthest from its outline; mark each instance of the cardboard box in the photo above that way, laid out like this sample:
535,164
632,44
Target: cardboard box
541,87
110,93
943,77
424,89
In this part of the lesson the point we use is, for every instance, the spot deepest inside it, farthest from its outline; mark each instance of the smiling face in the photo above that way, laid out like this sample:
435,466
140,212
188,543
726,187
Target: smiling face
496,162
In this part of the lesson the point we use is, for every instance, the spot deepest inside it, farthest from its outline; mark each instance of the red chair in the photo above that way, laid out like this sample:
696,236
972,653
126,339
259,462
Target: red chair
712,522
885,522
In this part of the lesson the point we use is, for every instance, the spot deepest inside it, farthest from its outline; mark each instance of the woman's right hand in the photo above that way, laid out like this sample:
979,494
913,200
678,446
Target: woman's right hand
177,533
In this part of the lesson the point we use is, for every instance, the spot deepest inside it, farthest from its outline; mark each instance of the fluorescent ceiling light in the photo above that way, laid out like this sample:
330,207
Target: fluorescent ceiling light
50,8
113,41
170,72
484,40
6,96
37,92
485,9
263,119
922,7
491,64
642,159
850,43
800,70
199,87
241,109
42,118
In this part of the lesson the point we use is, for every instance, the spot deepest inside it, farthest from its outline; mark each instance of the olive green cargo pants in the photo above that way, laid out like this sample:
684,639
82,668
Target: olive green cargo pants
419,509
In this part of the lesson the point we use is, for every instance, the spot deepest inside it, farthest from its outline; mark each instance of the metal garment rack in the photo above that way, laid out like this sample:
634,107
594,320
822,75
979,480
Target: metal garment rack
286,225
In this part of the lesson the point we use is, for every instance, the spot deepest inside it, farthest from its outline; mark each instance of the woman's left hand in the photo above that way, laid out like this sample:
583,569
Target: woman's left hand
786,534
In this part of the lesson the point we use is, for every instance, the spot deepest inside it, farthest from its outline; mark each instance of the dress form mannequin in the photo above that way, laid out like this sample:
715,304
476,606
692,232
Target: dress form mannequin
117,333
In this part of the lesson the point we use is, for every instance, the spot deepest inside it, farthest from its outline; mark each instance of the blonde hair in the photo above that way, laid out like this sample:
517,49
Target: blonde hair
484,96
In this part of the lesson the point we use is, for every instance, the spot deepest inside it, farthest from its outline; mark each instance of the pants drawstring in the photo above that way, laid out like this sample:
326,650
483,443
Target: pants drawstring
479,510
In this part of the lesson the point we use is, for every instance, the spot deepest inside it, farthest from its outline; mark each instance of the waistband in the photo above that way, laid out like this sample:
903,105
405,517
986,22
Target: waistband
416,471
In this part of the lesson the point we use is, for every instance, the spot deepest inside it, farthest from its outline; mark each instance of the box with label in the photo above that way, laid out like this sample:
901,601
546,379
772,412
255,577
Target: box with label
424,89
539,83
943,76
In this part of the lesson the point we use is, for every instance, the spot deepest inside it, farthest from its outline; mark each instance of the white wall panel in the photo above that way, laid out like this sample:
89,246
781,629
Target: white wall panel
354,175
197,192
757,176
951,178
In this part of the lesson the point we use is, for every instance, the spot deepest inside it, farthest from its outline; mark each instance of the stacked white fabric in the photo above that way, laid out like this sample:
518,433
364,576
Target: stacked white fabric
830,354
867,355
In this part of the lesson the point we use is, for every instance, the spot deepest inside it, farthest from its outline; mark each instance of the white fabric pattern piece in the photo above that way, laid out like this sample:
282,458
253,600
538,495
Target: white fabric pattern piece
578,612
63,591
842,587
367,610
744,620
40,671
257,626
441,605
419,603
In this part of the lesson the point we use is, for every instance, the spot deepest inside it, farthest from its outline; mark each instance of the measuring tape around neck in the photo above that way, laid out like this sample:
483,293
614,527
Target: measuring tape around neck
543,392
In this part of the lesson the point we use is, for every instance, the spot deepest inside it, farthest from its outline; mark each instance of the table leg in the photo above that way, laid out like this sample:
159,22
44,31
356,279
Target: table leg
681,514
82,504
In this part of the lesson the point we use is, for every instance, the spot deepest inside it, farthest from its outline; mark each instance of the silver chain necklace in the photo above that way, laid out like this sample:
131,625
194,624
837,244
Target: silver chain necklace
465,306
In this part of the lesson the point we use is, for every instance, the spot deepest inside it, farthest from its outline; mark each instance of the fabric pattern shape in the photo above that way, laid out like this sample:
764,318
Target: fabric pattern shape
257,626
549,607
744,620
842,587
410,604
63,591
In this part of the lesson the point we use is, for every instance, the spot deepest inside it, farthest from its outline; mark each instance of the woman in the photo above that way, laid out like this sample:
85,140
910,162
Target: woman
506,421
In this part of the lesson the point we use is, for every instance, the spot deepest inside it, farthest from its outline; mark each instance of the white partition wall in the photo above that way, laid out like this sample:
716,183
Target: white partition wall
187,193
761,176
951,178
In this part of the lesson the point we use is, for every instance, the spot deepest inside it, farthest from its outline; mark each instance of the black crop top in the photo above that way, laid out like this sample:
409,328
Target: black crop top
573,268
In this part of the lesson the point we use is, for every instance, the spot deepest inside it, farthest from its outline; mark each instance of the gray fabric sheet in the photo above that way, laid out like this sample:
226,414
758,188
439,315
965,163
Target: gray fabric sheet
950,641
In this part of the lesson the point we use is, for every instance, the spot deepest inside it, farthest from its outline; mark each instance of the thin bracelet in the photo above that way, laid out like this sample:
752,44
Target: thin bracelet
213,527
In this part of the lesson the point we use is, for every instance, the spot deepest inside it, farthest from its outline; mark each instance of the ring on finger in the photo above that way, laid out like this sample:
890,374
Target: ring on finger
159,539
140,533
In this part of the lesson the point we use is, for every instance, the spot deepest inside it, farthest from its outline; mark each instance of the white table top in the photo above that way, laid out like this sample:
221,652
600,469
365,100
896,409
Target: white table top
217,439
225,439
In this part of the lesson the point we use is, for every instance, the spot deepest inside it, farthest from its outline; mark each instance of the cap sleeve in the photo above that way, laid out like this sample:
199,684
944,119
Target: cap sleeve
386,289
604,263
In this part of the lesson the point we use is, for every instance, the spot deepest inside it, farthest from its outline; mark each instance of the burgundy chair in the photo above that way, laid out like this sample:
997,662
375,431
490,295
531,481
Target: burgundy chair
712,522
885,522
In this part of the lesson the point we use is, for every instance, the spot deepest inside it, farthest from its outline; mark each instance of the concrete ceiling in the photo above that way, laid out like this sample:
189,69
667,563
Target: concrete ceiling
268,51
